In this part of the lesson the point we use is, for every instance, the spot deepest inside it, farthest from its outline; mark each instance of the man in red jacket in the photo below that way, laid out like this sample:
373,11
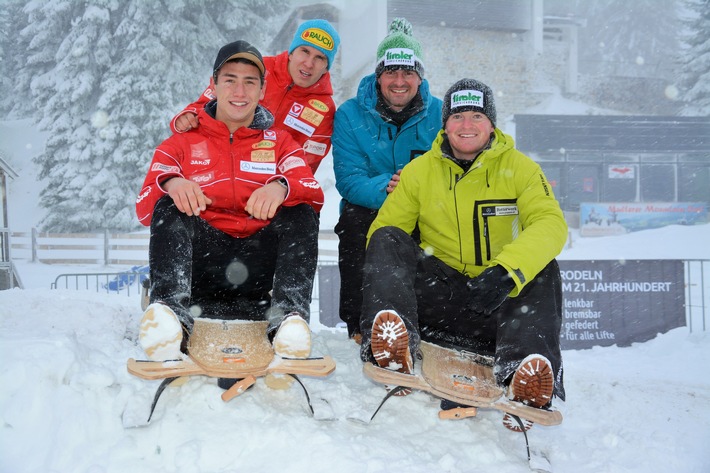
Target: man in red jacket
298,91
232,207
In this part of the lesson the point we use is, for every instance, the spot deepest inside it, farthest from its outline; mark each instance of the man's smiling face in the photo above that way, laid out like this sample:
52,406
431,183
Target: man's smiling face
238,90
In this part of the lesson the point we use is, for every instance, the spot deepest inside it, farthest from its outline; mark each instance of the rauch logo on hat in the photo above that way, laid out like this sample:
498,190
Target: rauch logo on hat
400,57
464,98
318,37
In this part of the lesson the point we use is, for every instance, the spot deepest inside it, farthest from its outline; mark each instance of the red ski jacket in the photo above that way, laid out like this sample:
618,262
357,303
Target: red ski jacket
228,169
306,113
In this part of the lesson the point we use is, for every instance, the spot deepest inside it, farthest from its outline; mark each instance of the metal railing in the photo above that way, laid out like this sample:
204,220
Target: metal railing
697,294
697,289
128,282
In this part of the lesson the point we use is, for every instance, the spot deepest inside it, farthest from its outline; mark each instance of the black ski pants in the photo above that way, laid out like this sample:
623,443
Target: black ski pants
198,270
432,299
352,228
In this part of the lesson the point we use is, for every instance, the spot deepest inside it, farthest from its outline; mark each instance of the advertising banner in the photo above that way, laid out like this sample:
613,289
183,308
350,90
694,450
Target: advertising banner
620,302
604,303
603,219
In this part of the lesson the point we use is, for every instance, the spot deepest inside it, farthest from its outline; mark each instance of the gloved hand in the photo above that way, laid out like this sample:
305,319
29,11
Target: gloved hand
489,289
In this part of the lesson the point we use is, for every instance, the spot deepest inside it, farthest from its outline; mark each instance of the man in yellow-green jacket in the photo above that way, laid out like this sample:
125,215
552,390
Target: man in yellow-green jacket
484,277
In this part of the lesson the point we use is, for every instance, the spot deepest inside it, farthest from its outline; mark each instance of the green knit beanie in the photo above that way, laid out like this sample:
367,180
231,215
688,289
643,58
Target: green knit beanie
399,50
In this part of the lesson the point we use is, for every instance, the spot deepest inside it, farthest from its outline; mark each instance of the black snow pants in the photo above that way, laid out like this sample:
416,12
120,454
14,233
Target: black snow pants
198,270
352,228
432,299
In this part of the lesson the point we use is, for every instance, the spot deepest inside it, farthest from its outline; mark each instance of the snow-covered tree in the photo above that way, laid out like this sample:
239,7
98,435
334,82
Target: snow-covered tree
105,77
695,61
12,58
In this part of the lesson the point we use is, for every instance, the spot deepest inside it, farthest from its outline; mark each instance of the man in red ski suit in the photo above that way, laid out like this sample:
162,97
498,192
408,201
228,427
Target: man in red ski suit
232,207
298,91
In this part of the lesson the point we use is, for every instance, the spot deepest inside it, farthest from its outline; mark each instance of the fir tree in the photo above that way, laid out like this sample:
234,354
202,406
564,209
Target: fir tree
105,78
695,62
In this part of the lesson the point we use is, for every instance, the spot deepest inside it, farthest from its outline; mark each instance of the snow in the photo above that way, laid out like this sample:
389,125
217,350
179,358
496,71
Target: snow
64,388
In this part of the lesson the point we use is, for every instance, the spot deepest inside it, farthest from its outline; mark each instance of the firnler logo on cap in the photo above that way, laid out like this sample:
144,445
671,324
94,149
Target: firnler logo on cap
467,98
400,57
319,38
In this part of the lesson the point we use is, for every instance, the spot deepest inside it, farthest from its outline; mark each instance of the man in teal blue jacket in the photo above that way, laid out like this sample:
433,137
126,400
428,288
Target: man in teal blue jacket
392,120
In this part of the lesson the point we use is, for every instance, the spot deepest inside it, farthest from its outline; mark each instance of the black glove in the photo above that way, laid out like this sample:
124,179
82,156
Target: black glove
489,289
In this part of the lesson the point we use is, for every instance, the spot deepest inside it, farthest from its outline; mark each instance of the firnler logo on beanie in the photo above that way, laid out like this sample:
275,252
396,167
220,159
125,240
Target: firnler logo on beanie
400,57
467,98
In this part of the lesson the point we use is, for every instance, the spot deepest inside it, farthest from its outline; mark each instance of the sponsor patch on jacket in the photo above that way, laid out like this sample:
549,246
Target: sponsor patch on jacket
269,135
200,162
209,93
312,116
200,151
164,168
263,156
290,163
257,168
299,125
314,147
310,183
318,105
263,144
296,109
499,210
202,178
143,195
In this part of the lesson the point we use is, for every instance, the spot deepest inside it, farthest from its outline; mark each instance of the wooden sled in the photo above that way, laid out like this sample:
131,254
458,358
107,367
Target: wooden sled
231,349
462,377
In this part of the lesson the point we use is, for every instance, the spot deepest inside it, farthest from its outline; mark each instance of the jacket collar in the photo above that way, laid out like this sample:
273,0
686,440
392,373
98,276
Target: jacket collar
263,120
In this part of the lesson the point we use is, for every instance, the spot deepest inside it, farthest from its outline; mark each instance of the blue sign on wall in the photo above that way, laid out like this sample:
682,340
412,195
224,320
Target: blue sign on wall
602,219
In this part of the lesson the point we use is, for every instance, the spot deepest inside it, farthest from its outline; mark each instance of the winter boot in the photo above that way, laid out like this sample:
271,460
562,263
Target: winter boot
292,340
532,384
293,337
390,345
390,342
161,334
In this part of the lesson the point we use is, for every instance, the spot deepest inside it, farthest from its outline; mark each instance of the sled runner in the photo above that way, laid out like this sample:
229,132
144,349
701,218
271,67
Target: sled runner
464,378
229,349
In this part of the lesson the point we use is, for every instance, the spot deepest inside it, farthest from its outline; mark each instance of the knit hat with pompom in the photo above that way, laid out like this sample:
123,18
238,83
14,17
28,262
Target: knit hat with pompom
399,50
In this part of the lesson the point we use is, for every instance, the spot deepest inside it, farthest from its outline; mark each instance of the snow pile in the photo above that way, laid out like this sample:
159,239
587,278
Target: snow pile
64,387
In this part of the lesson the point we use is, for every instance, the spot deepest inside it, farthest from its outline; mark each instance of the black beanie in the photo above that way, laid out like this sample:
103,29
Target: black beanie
469,95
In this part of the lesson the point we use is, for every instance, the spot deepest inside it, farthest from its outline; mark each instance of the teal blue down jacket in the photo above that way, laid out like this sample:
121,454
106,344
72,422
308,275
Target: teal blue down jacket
367,150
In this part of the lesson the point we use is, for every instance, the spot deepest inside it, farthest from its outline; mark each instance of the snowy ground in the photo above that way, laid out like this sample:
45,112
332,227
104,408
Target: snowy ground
64,387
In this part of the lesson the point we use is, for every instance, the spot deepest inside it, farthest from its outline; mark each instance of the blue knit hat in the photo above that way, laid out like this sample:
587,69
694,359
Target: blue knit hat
317,34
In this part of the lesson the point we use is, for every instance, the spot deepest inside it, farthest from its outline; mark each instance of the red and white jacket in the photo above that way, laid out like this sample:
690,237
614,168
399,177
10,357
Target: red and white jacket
307,113
228,168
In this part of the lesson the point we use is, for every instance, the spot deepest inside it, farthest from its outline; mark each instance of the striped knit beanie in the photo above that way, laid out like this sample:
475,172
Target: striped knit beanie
399,50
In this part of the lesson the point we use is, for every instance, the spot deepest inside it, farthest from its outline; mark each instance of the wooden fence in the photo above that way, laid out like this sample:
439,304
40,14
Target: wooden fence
104,248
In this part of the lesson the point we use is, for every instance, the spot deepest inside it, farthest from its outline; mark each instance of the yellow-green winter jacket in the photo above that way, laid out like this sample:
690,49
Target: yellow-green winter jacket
501,211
